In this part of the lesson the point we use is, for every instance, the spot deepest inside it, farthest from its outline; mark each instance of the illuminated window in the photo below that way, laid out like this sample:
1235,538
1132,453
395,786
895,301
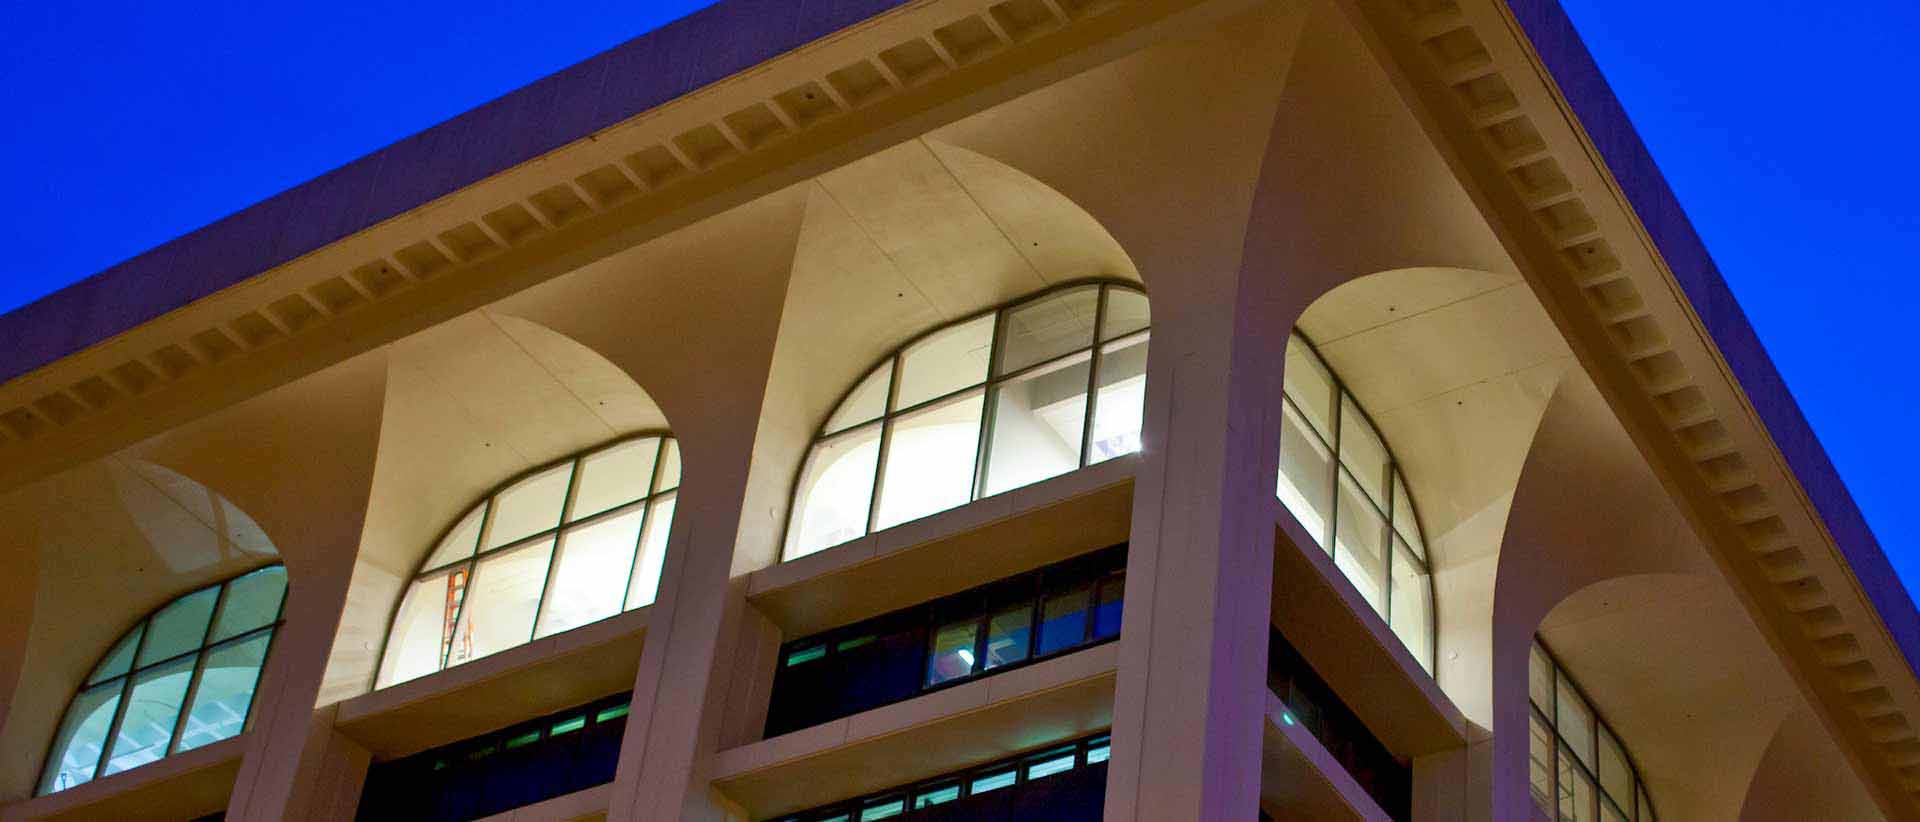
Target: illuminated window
1579,769
985,405
562,546
1340,481
181,678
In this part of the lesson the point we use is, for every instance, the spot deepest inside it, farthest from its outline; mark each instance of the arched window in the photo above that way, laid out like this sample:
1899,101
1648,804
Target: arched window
566,544
180,678
1357,504
999,400
1578,768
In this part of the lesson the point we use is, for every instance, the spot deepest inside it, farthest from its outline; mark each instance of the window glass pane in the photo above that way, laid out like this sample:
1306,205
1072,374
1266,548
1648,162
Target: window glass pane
883,810
423,627
1038,420
1107,610
530,506
76,748
1576,792
669,466
952,656
1308,383
1540,681
937,796
458,543
1122,400
930,461
152,708
1063,619
1099,752
1050,764
614,476
835,491
119,660
1362,452
1611,813
1126,313
867,401
226,691
1048,327
946,361
1306,474
992,782
1411,611
591,576
1575,721
1616,777
180,627
1540,761
645,585
253,601
1009,635
1406,519
500,605
1357,543
806,655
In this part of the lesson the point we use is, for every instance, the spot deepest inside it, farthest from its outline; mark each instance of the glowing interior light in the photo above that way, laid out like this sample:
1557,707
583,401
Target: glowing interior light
965,656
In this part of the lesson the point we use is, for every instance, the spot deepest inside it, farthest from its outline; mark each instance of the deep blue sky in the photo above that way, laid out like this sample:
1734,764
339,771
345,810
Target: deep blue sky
1785,127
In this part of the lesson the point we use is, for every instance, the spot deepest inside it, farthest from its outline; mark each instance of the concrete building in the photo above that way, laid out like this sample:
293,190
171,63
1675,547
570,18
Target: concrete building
758,421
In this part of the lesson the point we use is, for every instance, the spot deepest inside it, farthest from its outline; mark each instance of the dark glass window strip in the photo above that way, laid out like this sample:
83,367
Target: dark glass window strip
1313,704
1061,783
532,761
1567,785
996,627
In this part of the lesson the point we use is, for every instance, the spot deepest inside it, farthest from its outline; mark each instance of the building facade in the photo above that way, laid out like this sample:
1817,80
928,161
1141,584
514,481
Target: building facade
958,410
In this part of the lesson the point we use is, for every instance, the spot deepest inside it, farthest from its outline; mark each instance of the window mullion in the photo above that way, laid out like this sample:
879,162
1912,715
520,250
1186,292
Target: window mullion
1093,377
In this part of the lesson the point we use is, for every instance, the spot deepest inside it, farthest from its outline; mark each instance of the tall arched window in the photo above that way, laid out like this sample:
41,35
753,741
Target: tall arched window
999,400
1578,768
566,544
180,678
1355,505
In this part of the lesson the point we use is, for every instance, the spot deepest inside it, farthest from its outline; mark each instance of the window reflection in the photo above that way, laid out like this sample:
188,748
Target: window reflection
207,647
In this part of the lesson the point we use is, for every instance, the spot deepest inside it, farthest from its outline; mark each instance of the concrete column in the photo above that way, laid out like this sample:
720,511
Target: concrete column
299,460
1192,687
730,268
688,667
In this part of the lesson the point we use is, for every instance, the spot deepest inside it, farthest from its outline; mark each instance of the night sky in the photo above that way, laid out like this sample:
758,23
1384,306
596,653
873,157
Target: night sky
1784,126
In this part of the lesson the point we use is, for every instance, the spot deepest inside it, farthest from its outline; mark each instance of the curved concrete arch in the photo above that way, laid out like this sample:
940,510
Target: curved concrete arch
1455,367
1803,775
1598,562
469,403
113,539
894,245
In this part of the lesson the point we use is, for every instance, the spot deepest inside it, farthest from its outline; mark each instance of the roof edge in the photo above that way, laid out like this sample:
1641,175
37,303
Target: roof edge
561,108
1564,54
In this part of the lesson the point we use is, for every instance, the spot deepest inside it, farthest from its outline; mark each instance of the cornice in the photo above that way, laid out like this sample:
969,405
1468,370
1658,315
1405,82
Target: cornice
1482,90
